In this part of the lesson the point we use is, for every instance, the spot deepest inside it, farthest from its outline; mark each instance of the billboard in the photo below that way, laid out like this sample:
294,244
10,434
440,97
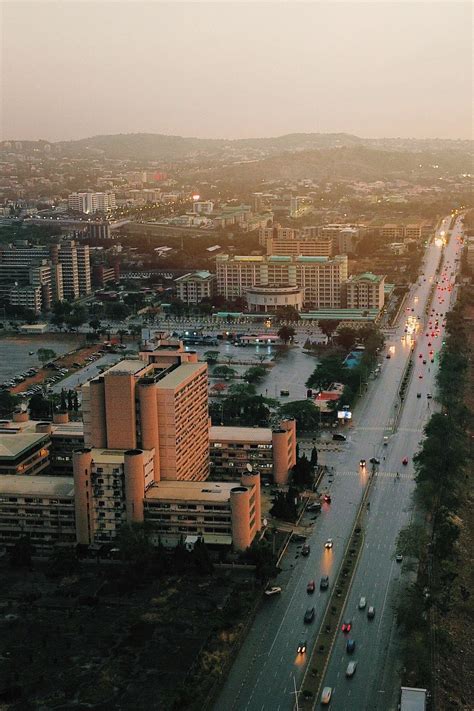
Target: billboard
344,415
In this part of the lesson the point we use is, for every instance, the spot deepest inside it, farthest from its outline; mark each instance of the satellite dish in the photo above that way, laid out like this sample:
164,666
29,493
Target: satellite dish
249,468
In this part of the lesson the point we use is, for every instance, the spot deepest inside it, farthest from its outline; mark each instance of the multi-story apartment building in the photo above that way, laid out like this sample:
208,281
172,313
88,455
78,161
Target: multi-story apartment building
192,288
320,278
37,276
365,291
270,452
161,406
89,202
203,207
276,232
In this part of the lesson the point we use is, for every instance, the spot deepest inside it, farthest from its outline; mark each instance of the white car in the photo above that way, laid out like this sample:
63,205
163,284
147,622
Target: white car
326,695
351,668
328,544
273,591
362,603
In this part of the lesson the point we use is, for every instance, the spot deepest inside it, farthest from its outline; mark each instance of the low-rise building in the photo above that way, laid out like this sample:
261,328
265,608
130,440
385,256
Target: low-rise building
25,453
39,507
270,452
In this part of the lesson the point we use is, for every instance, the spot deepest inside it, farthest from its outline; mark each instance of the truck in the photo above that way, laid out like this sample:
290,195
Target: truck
412,699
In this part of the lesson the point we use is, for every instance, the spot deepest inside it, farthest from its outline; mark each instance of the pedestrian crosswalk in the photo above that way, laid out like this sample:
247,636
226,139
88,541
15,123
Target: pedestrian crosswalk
379,474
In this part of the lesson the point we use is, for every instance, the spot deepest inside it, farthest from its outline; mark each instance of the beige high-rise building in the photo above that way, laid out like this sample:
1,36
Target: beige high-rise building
365,291
321,278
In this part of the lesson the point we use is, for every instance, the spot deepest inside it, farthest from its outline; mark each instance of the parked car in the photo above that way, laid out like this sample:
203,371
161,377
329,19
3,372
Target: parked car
273,591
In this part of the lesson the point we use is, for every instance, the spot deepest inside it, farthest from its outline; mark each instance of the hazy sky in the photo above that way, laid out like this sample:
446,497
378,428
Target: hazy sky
78,68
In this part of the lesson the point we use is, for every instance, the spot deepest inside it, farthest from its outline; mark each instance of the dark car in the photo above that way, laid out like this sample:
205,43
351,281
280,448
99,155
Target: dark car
339,437
316,506
309,615
327,498
418,394
324,582
302,647
306,549
350,646
374,460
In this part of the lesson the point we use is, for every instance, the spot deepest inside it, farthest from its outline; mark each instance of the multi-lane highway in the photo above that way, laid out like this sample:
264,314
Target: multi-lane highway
268,669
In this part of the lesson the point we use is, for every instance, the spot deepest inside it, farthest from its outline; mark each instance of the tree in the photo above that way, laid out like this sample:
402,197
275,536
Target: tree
346,337
328,327
261,555
95,324
69,400
302,474
314,458
45,355
329,370
116,311
21,553
39,406
211,357
63,405
77,316
286,333
8,403
223,371
304,412
254,374
75,402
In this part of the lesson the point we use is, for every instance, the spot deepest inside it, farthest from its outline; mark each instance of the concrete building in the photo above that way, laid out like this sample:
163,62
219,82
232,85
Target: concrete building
159,406
25,453
270,452
203,207
103,274
265,299
365,291
192,288
320,278
39,507
89,202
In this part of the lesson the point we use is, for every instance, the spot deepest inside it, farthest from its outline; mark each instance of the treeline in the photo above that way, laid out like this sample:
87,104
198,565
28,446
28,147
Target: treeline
430,543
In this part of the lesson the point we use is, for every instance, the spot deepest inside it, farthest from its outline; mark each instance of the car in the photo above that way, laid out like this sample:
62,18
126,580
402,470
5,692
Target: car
316,506
432,360
421,355
350,646
301,649
351,669
311,587
346,626
405,461
362,463
337,437
399,557
326,695
371,613
429,344
362,603
429,396
275,590
306,549
418,394
324,582
329,543
388,356
309,615
327,498
424,361
374,460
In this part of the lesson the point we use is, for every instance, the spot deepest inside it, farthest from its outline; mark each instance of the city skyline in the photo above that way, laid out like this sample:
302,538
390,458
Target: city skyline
195,69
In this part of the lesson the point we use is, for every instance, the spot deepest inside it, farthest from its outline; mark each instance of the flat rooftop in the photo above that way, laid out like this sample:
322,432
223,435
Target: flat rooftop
240,434
13,445
192,491
129,365
109,456
37,485
176,376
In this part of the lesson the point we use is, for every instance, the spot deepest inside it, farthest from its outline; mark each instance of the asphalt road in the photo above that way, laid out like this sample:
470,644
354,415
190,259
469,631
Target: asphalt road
379,577
268,669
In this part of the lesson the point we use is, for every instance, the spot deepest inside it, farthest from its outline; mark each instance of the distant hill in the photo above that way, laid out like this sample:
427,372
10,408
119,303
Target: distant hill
150,146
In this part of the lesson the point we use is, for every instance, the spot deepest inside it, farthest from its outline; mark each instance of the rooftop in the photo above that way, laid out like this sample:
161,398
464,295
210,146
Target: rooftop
366,276
109,456
14,444
191,491
130,366
240,434
37,485
176,376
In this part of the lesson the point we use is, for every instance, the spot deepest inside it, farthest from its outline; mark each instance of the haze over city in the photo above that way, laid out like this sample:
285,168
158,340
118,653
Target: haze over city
236,69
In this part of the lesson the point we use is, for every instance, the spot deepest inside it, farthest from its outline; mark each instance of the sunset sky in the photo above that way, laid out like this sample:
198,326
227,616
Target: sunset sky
235,69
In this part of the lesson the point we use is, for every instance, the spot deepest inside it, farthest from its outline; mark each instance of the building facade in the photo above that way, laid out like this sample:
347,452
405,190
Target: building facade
365,291
320,278
192,288
89,203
